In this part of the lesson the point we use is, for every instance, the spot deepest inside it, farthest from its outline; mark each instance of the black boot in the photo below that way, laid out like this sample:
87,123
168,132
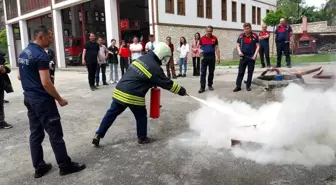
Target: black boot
96,140
71,168
146,140
201,90
5,125
237,89
42,170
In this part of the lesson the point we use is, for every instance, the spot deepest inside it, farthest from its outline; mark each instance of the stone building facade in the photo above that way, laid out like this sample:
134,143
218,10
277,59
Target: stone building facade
226,16
315,27
227,38
174,18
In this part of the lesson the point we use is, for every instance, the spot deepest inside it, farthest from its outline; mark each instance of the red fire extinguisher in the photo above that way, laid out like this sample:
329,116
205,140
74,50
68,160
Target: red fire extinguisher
155,103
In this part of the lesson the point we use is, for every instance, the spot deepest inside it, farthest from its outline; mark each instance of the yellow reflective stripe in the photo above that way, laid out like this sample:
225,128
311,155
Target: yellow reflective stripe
116,96
142,69
177,89
129,96
173,87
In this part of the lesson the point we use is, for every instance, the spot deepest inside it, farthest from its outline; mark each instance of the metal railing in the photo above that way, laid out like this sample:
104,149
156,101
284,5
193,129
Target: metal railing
32,5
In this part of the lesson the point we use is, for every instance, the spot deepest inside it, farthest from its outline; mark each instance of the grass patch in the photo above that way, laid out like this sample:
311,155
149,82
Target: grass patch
295,59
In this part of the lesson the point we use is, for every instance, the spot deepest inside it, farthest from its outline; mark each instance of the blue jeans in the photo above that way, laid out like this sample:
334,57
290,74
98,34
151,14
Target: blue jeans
183,63
140,114
103,70
114,69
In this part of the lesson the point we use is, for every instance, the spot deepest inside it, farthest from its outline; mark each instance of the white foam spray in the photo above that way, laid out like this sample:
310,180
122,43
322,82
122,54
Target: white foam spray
299,130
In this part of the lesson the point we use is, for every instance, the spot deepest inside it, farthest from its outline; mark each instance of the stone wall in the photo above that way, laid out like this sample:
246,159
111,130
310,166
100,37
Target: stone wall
227,38
315,27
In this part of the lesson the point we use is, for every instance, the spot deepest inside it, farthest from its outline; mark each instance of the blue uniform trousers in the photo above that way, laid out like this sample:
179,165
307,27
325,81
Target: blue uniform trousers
43,115
245,61
264,53
283,47
208,60
116,108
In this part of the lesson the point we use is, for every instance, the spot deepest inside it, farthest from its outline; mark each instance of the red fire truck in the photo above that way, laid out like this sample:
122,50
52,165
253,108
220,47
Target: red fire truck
73,50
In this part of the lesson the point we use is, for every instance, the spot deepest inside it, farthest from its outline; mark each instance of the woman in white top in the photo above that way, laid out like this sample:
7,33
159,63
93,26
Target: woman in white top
184,51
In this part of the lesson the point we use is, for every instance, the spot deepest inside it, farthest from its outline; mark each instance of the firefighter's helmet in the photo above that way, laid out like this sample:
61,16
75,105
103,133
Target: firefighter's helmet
163,52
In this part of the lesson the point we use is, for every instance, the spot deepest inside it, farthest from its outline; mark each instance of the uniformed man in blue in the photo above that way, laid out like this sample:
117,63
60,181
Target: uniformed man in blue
39,98
283,34
248,48
144,73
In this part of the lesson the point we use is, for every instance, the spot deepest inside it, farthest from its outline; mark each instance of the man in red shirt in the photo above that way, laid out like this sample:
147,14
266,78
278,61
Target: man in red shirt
264,46
211,54
283,33
248,48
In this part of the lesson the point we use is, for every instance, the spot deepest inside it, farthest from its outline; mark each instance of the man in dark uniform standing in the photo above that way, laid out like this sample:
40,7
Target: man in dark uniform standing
248,48
264,47
210,51
283,33
39,98
90,59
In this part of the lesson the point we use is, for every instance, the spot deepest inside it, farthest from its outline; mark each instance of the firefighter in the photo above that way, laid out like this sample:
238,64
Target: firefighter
248,48
143,74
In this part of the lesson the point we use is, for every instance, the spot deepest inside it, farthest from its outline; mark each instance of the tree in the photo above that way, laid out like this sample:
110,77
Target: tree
330,10
295,9
273,19
3,40
292,9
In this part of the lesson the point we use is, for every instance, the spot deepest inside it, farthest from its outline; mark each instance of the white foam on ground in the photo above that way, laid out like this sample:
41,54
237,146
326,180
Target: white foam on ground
299,130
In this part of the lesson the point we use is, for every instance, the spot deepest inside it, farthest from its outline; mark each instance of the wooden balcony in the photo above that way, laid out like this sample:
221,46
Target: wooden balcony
11,9
28,6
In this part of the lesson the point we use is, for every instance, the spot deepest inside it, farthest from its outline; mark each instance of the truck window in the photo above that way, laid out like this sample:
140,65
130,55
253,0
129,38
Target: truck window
68,43
77,43
72,43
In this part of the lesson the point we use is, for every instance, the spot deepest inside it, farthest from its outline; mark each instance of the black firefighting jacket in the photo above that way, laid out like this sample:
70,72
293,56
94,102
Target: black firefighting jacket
143,74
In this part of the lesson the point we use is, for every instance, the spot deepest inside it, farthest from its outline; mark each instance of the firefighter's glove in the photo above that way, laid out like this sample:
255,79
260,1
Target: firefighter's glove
182,92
